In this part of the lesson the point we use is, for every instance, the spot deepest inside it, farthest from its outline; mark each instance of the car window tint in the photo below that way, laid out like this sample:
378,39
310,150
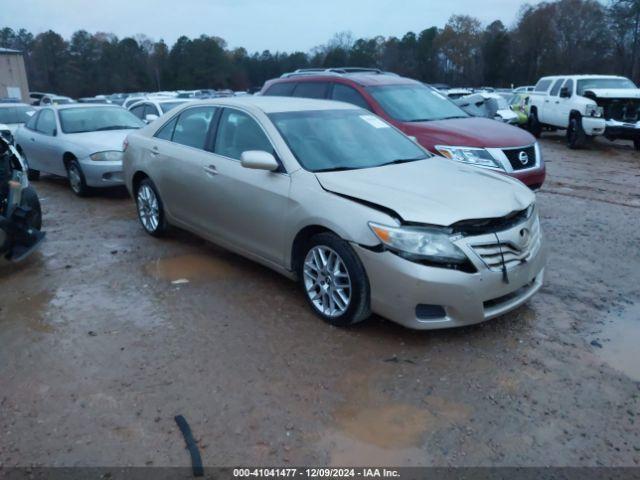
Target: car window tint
284,89
193,126
569,85
311,89
555,90
138,111
31,124
46,122
237,133
151,110
344,93
166,132
543,85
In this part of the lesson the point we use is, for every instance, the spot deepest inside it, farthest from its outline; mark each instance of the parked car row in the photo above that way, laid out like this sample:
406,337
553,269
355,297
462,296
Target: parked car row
375,192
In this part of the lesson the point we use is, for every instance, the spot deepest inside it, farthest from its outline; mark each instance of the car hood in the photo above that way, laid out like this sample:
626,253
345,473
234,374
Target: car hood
615,92
99,141
434,191
468,132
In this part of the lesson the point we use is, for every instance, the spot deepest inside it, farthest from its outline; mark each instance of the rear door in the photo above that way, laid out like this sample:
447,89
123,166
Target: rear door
548,107
179,156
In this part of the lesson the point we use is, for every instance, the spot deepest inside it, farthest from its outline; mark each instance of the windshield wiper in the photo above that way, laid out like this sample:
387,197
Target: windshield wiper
335,169
401,160
115,127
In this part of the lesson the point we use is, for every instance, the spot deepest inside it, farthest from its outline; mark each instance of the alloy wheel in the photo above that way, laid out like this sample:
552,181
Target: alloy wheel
75,179
327,281
148,210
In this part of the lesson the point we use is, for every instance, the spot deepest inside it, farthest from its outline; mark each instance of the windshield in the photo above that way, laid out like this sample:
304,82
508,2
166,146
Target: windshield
16,114
415,103
166,106
326,140
591,83
93,119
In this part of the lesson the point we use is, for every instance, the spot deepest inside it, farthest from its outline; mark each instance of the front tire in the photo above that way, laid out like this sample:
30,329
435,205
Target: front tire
534,124
150,209
576,136
77,181
334,281
30,200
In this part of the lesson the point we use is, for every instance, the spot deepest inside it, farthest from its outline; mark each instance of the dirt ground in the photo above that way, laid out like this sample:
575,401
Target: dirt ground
99,350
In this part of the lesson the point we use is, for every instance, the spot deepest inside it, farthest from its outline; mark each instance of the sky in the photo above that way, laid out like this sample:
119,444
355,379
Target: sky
276,25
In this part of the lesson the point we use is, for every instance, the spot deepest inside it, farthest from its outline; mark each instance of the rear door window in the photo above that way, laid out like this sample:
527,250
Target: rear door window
192,127
543,85
138,111
345,93
284,89
569,85
150,109
311,89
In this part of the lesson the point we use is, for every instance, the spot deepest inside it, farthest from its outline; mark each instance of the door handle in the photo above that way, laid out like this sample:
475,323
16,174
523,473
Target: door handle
154,151
33,139
211,170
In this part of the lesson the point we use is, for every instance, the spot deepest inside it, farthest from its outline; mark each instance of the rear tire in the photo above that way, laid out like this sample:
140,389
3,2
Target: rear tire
576,136
77,182
150,208
334,281
534,124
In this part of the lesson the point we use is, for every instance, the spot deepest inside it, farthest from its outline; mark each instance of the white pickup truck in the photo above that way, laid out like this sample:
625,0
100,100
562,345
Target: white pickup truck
586,106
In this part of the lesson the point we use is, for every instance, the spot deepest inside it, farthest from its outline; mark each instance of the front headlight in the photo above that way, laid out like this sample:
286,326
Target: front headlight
593,110
420,243
108,156
473,156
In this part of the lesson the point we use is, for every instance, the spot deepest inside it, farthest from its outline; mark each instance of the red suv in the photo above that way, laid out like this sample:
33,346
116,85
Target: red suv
424,113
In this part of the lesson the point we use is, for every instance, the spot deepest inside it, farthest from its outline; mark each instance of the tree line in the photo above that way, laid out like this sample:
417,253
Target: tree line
554,37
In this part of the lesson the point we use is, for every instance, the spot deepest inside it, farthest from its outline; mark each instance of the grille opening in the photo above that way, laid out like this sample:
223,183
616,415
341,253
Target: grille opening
516,157
430,312
496,302
489,225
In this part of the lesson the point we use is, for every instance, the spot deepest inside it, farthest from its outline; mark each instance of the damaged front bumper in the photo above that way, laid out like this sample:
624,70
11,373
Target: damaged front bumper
623,130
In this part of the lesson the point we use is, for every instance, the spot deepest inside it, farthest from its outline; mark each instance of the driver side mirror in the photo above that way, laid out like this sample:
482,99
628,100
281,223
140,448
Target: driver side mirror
150,117
258,160
564,92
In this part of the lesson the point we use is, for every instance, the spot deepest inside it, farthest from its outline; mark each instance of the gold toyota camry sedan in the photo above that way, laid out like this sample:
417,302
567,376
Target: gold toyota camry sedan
328,194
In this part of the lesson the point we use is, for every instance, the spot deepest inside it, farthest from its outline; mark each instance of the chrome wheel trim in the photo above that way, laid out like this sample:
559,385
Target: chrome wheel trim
75,180
148,208
326,281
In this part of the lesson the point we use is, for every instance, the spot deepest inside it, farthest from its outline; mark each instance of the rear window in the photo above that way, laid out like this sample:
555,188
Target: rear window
543,85
311,90
284,89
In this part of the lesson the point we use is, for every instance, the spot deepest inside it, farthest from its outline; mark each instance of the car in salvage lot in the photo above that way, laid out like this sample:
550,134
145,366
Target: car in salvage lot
150,109
337,198
80,142
587,106
424,113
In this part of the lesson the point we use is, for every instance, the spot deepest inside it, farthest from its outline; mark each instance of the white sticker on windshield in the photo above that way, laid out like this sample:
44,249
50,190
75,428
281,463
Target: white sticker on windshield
373,121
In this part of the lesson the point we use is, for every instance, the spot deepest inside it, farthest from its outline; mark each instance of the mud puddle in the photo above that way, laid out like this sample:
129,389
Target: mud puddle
29,311
371,428
618,342
191,268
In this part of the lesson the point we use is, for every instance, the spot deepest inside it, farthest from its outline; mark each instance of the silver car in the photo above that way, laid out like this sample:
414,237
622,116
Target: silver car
81,142
331,195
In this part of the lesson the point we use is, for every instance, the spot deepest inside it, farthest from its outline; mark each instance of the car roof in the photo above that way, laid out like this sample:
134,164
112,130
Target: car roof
579,77
363,79
276,104
15,104
82,105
